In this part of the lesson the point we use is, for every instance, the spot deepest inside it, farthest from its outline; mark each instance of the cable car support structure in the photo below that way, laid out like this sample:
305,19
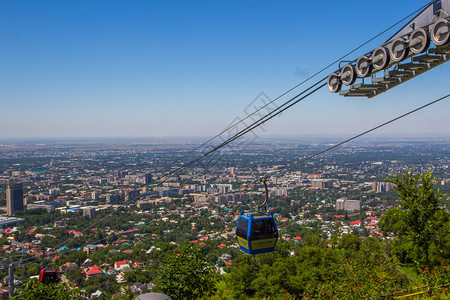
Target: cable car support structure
419,46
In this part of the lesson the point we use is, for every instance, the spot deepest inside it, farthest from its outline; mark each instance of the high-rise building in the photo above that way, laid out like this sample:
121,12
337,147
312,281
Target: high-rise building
122,174
95,195
89,211
340,204
350,205
130,195
381,187
322,183
14,198
148,178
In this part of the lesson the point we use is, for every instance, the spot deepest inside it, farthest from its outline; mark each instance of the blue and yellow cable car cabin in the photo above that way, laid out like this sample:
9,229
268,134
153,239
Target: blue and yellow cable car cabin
256,232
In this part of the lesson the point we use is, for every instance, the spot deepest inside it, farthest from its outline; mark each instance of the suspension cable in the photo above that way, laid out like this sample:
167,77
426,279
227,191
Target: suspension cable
361,134
256,124
301,83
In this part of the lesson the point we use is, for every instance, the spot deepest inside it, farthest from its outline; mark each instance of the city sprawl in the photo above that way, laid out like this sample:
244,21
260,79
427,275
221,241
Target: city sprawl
105,213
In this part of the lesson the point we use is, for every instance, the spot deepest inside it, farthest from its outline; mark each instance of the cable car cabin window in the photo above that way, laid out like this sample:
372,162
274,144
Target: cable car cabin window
242,228
49,276
263,229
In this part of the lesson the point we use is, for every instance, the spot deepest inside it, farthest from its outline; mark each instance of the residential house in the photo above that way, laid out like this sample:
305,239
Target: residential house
119,263
69,266
93,272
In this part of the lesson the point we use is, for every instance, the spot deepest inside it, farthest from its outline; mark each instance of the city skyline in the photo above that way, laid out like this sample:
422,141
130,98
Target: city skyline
169,69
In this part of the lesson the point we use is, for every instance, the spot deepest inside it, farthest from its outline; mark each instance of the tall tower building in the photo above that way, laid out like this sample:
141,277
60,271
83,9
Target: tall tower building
95,195
148,178
14,198
340,204
381,187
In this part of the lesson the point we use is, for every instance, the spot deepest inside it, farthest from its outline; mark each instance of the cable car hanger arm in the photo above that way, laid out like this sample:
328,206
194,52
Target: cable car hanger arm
263,205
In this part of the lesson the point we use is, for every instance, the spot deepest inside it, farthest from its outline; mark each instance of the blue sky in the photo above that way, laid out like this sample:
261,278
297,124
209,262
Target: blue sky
188,68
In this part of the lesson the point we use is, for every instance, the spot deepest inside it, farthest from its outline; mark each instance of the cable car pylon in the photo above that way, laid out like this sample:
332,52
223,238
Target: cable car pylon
424,42
256,231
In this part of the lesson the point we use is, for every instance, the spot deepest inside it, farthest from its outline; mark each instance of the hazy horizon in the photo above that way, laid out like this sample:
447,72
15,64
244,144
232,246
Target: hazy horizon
201,139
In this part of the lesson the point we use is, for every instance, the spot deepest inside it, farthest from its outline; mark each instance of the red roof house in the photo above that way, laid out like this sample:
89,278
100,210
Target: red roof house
120,263
94,272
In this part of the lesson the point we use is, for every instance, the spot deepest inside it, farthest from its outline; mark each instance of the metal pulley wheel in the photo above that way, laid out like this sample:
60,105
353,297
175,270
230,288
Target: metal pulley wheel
334,83
440,33
399,49
419,41
363,66
380,58
348,74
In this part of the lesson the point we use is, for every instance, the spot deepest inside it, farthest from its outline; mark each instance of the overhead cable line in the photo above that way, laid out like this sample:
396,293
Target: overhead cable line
361,134
301,83
251,127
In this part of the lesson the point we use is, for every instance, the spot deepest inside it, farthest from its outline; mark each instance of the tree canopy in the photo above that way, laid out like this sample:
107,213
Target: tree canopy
420,222
34,290
186,275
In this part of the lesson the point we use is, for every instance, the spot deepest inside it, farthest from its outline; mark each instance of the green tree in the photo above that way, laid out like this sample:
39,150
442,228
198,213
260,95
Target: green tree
36,290
77,257
349,242
240,279
334,239
420,219
186,275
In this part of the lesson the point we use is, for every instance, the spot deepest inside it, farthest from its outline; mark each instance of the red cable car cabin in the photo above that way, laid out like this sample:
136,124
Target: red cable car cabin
49,275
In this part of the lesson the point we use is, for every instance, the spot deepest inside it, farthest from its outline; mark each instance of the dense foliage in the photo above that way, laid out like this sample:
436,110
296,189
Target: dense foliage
34,290
353,270
186,275
420,222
